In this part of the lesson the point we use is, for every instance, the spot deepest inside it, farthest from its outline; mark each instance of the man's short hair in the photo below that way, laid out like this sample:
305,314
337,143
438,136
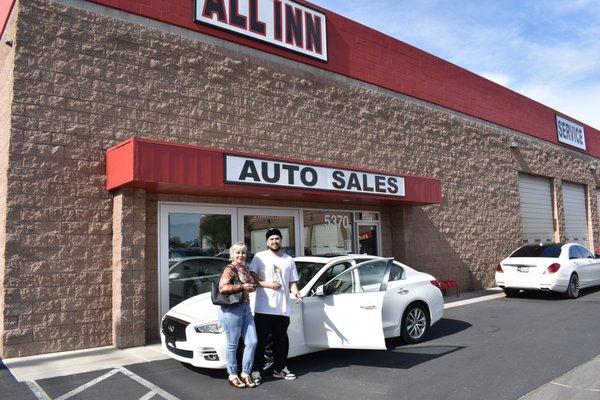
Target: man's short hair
273,231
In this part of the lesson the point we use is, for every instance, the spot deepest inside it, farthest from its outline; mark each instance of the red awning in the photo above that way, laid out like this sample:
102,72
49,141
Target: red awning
162,167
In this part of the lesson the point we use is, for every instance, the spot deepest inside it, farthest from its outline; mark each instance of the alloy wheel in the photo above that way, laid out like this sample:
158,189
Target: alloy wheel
574,286
416,323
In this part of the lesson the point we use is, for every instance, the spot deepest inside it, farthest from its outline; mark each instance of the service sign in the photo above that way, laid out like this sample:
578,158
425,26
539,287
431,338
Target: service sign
570,133
257,171
282,23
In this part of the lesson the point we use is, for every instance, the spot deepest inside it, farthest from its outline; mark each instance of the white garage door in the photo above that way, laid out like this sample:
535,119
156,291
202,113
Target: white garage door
575,213
536,209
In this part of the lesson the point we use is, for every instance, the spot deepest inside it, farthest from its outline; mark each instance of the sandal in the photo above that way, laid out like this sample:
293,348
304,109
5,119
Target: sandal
247,379
235,381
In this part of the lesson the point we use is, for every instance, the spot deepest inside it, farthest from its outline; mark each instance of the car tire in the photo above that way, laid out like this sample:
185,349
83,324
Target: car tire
510,292
415,323
573,288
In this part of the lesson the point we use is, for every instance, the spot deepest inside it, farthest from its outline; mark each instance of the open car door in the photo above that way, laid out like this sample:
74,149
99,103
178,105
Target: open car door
346,312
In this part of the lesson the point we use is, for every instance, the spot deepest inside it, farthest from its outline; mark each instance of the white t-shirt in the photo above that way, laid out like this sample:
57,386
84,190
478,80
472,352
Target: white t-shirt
272,268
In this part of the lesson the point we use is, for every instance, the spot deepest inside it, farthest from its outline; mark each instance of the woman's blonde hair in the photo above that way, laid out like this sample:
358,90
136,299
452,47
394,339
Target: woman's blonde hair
237,247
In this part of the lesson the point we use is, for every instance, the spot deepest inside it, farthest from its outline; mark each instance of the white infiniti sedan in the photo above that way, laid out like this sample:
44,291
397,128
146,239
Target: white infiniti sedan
558,267
352,302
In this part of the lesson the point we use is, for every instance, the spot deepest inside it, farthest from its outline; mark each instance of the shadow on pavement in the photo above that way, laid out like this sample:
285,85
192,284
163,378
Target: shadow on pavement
397,355
446,327
552,296
11,388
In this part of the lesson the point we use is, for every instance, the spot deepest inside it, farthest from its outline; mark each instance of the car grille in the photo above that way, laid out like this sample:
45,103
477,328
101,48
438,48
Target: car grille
174,328
179,352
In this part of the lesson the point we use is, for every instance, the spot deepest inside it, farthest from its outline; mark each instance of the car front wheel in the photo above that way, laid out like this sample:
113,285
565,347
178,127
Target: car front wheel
573,289
415,323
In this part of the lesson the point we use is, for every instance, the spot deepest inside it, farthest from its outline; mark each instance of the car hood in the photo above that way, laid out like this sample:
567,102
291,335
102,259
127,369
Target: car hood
198,308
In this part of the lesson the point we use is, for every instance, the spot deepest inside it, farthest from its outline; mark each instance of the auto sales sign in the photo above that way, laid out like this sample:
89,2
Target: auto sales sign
259,171
283,23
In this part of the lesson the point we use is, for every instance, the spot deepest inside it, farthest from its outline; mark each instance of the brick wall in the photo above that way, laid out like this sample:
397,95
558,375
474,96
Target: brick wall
129,268
7,59
365,54
84,82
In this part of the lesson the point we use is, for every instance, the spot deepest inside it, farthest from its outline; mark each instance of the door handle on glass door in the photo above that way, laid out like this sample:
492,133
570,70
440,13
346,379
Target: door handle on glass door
370,307
403,291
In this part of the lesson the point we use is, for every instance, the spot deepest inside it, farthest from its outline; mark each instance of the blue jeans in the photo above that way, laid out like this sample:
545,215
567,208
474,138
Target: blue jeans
237,321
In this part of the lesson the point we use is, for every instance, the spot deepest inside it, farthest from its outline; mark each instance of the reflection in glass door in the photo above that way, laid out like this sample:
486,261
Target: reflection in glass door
256,222
368,239
193,246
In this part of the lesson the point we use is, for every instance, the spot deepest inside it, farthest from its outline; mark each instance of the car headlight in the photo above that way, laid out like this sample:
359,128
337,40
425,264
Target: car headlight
213,327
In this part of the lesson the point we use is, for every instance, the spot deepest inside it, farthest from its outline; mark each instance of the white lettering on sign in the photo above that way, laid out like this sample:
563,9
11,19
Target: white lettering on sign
570,133
283,23
279,173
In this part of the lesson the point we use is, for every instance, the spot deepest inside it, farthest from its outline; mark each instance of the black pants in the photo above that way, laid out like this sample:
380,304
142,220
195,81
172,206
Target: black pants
276,325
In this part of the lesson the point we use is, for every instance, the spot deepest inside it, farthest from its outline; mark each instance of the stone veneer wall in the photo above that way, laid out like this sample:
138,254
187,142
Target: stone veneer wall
84,81
7,59
129,268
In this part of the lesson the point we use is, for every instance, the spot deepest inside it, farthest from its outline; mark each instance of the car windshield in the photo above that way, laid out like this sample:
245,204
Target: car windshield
306,271
533,250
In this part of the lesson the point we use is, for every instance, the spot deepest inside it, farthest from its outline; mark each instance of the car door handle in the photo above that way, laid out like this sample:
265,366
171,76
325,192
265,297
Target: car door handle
369,307
403,291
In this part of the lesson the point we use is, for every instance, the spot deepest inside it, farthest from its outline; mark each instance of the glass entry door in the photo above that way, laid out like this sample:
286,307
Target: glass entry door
193,248
194,241
367,237
253,224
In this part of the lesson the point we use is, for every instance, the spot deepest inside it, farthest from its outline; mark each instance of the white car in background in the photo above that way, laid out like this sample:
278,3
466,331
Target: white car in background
558,267
351,301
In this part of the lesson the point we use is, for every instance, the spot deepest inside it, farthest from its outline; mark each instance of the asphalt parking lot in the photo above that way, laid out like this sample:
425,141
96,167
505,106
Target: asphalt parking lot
498,349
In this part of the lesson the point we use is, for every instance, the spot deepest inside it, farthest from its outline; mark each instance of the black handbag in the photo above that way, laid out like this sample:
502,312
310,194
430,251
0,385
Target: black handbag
221,299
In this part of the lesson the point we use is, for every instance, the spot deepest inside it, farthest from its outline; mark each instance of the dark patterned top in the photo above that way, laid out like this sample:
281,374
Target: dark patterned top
242,274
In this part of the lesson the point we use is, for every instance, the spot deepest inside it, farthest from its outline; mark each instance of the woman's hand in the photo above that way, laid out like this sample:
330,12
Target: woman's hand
274,285
248,287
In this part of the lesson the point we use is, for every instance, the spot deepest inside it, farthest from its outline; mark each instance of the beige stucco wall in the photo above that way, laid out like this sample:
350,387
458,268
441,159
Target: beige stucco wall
84,81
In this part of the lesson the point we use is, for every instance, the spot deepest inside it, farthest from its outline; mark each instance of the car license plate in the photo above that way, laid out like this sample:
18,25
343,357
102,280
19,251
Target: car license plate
523,269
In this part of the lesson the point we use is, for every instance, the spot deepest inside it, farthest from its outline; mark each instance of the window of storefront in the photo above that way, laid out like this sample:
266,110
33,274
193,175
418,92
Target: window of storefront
327,232
194,240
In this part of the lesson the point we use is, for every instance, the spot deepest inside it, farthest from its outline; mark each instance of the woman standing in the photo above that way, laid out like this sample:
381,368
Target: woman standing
237,319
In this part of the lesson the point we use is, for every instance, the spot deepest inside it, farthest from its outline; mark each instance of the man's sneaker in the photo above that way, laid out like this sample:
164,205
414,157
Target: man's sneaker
256,378
284,374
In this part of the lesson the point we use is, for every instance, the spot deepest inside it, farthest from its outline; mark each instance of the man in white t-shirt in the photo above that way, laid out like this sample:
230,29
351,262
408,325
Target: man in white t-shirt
277,275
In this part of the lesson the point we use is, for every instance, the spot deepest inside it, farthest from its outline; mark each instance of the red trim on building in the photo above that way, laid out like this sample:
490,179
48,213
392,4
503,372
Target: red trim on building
163,167
6,7
362,53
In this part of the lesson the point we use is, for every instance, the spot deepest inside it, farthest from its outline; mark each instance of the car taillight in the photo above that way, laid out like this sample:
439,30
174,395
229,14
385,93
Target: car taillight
499,268
435,283
552,268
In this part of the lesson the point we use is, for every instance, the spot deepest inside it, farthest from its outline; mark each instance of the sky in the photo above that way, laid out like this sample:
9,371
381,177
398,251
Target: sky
547,50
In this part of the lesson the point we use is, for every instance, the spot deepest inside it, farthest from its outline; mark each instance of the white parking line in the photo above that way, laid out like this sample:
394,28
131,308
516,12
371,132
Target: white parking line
37,390
154,390
87,385
148,396
147,384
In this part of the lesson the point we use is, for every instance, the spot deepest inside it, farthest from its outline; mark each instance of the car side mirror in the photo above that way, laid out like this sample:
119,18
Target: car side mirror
174,276
319,291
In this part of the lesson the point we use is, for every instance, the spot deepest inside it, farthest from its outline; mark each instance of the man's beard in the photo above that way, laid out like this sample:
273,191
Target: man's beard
278,247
